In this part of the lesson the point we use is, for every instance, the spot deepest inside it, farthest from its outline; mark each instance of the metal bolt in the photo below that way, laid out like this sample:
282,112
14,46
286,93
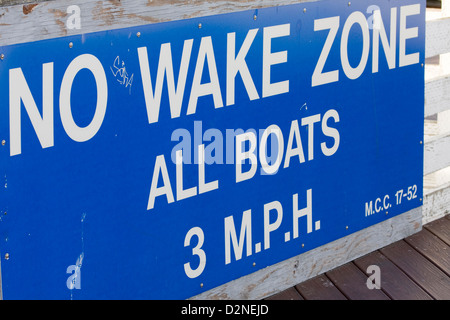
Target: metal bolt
346,227
255,17
199,25
303,245
304,10
254,264
6,256
201,285
349,3
421,142
70,44
138,34
2,56
3,142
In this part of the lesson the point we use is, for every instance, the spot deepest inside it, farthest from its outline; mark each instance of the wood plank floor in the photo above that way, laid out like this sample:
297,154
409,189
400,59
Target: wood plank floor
415,268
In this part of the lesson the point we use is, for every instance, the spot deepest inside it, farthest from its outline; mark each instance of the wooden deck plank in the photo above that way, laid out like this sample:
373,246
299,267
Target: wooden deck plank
396,284
288,273
427,275
319,288
415,268
432,247
288,294
440,228
351,281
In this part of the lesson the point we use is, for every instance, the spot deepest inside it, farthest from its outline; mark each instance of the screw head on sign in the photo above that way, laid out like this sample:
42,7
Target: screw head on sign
3,142
70,44
2,56
138,34
6,256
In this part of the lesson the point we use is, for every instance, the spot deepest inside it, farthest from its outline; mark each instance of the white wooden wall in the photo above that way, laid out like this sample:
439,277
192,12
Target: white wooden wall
437,114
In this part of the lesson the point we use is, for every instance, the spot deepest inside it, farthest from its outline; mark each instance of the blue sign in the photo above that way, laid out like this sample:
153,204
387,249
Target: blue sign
161,161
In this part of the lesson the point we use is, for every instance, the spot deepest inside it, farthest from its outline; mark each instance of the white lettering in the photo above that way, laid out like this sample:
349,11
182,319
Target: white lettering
407,33
165,67
90,62
330,132
206,52
270,59
237,64
358,18
380,32
309,121
182,193
319,77
245,235
241,156
20,92
202,185
303,212
270,227
272,168
166,188
298,151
